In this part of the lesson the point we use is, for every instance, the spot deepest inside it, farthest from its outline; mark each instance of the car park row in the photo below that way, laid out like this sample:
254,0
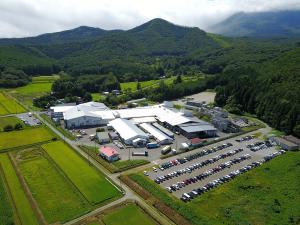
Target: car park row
198,191
259,146
194,156
195,166
179,185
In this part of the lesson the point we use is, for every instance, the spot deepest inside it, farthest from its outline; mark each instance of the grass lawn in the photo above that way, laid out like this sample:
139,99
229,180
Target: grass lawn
129,214
128,164
8,105
6,212
268,194
24,137
10,120
22,205
98,97
86,178
57,198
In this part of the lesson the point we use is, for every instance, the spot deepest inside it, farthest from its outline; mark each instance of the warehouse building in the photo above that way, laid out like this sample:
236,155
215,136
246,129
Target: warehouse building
129,132
157,134
164,130
197,129
284,144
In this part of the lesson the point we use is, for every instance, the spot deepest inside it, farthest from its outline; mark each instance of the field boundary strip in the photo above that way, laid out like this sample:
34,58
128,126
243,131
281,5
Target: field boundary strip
6,150
11,199
62,173
27,192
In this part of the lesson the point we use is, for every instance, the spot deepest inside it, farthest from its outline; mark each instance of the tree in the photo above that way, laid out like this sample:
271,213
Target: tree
8,128
178,80
138,86
18,126
87,97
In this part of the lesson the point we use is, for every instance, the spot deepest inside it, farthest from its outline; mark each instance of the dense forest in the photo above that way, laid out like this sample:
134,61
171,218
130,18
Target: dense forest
254,75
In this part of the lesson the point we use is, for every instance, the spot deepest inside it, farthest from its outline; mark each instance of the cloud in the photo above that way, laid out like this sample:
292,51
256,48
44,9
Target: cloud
32,17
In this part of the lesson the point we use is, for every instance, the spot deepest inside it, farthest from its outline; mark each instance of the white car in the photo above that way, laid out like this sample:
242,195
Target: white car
146,173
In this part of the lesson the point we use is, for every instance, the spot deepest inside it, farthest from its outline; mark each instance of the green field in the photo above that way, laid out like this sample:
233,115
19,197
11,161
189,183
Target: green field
44,79
98,97
24,137
10,120
9,106
266,195
39,86
23,211
129,214
56,196
154,83
86,178
6,212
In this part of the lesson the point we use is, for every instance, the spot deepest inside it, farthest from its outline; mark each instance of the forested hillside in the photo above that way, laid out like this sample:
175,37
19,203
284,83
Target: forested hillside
271,91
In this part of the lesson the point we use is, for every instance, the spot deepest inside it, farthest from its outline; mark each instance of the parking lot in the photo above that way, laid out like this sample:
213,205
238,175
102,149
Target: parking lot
28,119
198,168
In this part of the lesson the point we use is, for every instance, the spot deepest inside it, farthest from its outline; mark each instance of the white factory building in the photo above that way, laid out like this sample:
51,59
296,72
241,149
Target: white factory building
126,121
130,133
161,138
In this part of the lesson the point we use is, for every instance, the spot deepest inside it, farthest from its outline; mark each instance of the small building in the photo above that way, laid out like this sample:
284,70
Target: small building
108,153
293,139
115,92
284,144
113,135
103,137
195,142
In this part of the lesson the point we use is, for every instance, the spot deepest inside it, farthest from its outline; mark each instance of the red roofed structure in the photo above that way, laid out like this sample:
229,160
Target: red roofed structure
197,141
109,153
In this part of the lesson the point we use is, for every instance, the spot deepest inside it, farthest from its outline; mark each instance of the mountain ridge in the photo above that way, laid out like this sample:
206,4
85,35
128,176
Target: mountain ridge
283,23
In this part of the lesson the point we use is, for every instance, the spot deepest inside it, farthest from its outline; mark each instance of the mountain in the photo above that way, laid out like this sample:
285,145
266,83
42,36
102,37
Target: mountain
260,24
67,36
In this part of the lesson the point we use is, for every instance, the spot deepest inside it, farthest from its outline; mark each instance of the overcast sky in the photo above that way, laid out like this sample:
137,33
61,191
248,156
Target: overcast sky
20,18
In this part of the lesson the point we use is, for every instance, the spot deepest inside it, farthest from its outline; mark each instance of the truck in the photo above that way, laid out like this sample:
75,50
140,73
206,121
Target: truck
152,145
145,153
166,149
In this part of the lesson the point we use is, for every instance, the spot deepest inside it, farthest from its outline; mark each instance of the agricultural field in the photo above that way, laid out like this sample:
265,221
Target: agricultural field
39,86
10,120
57,198
6,212
127,214
90,182
153,83
23,210
14,139
268,194
9,106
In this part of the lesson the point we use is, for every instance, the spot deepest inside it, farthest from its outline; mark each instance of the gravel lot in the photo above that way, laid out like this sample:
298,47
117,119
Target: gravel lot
255,156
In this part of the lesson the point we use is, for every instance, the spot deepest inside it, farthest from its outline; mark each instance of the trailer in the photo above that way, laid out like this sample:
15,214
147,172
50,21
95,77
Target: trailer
166,149
145,153
152,145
